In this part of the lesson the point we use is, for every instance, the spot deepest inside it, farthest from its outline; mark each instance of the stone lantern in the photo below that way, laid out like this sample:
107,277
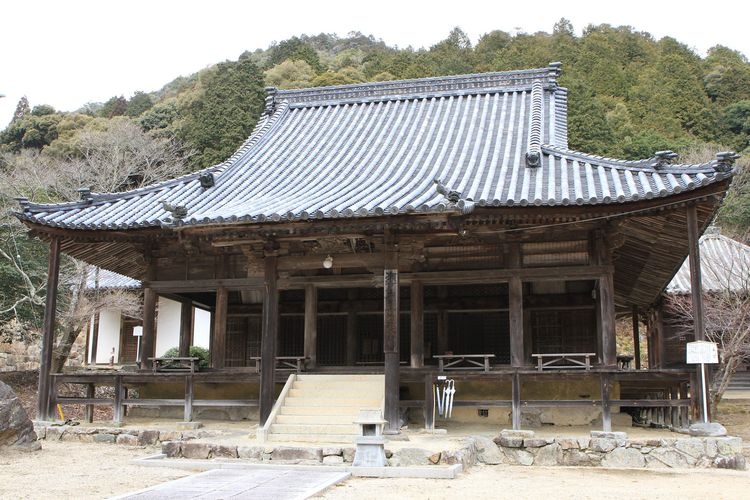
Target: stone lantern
370,451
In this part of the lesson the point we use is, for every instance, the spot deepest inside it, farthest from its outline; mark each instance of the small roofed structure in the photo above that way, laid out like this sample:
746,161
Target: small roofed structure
372,227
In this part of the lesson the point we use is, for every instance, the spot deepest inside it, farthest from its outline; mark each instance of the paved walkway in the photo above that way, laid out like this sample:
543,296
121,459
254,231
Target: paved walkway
257,484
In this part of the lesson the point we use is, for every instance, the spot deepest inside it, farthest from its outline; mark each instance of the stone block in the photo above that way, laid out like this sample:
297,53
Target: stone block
671,458
127,440
55,433
712,449
187,426
624,457
487,451
224,451
435,458
333,460
148,437
170,435
459,456
534,442
330,451
710,429
250,452
172,449
517,433
548,455
583,442
408,457
295,453
509,442
348,454
729,445
736,462
602,445
609,435
516,456
196,450
695,447
574,458
104,438
568,443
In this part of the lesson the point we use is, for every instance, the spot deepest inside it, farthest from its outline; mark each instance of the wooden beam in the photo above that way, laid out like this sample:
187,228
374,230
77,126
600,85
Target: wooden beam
417,324
269,337
516,402
186,327
44,409
219,332
515,303
607,315
204,285
311,326
636,339
391,336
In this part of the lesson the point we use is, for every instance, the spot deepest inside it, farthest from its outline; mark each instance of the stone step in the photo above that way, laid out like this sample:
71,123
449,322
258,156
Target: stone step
322,384
315,419
353,411
307,376
337,402
313,438
341,392
323,429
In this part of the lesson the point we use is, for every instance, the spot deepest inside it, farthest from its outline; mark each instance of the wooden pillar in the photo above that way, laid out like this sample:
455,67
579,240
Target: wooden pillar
188,414
429,402
515,313
636,339
442,321
186,327
311,326
148,339
391,336
44,410
516,401
117,403
694,257
269,337
94,338
417,324
606,388
351,338
219,340
88,414
606,304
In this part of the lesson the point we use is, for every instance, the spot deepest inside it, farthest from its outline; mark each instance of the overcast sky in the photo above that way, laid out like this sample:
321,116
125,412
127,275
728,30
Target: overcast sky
69,52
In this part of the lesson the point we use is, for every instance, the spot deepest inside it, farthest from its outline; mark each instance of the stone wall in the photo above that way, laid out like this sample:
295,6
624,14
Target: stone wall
18,356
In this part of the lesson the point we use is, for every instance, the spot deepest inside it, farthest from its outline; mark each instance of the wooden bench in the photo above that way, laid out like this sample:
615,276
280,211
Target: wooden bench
464,361
564,361
293,363
178,364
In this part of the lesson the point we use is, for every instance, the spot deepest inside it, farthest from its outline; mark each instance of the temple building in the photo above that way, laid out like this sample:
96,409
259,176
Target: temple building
406,230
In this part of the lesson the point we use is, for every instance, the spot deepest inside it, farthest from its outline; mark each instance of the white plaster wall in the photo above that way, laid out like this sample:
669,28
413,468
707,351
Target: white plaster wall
167,325
201,327
109,335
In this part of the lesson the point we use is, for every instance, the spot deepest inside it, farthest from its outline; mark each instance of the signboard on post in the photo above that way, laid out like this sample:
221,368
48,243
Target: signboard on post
702,352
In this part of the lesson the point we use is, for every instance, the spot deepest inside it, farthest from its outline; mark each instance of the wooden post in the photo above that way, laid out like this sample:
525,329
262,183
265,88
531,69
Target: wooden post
429,402
189,398
88,415
417,324
391,336
516,401
606,405
311,326
44,410
148,339
219,344
186,327
694,257
117,404
351,338
636,339
269,337
515,313
442,321
607,311
95,338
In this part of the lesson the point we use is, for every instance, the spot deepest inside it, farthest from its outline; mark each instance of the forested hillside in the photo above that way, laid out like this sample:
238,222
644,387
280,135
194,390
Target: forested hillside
630,95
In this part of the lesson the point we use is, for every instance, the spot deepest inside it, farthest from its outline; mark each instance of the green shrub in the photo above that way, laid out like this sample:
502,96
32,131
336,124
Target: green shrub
195,352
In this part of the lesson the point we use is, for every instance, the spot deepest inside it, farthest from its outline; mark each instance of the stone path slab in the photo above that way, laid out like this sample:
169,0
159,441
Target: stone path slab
281,484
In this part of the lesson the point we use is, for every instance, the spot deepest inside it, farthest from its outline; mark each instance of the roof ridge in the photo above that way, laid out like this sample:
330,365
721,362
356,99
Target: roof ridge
419,86
642,164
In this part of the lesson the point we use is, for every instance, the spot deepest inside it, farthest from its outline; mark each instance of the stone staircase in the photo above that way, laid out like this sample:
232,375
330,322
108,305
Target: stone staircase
323,408
740,381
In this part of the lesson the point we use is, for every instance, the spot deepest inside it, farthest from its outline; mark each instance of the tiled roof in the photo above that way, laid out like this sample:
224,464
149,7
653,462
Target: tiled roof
102,278
413,146
725,266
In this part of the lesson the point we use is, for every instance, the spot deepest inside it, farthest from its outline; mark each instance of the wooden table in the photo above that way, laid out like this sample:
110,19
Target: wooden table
178,364
294,363
464,361
564,360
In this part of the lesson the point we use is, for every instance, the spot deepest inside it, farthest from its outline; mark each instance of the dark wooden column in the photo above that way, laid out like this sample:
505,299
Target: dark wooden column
269,336
311,326
606,303
352,347
606,388
694,257
417,324
429,402
515,308
48,341
442,321
219,339
516,401
186,327
636,339
148,339
391,336
94,338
